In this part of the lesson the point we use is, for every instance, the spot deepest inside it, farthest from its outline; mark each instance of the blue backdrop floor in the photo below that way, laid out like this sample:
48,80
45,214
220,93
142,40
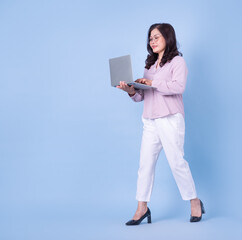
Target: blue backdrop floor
81,226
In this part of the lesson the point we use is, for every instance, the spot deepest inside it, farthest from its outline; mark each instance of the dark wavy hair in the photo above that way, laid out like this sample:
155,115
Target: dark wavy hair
168,32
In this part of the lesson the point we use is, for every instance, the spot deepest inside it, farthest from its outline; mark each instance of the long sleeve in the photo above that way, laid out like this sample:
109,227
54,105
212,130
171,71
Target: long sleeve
139,96
176,84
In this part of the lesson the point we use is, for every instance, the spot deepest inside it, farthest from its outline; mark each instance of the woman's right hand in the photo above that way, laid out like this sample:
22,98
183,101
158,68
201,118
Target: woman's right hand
125,87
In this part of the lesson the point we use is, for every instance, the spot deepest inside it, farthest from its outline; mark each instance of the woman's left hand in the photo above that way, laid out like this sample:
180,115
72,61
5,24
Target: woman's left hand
144,81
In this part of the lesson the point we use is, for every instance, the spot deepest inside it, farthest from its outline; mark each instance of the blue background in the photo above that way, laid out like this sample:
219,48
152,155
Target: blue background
69,143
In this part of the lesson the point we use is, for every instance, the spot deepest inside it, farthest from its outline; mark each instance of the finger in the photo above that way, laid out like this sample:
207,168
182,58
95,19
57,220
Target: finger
121,84
124,84
141,81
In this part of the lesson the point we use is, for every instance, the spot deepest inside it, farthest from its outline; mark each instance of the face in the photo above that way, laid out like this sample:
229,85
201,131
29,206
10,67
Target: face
157,41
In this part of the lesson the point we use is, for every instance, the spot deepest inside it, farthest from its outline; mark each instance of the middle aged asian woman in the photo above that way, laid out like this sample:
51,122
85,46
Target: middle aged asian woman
163,119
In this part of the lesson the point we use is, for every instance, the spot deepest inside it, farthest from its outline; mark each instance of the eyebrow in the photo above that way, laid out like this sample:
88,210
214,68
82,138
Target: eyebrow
154,35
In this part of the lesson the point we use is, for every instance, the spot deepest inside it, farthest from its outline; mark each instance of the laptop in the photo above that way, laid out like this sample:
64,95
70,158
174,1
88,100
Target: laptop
121,70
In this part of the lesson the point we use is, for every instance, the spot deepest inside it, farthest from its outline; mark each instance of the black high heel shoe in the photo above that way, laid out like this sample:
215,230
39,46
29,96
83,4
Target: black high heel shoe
137,222
197,219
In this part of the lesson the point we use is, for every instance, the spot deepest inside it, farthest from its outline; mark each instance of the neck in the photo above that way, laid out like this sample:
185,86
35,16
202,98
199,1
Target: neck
160,56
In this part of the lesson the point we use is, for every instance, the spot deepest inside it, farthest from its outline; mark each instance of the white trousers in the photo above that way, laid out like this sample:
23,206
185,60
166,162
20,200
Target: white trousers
167,133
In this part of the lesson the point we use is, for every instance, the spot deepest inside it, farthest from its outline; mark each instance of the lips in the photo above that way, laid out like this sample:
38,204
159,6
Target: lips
154,46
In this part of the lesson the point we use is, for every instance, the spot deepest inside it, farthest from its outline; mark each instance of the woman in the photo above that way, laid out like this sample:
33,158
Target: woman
163,119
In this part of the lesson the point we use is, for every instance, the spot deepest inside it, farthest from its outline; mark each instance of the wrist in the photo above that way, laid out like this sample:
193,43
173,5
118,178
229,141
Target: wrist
131,94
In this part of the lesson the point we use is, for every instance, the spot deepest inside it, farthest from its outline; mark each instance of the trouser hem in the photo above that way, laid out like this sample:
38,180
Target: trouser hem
142,200
189,198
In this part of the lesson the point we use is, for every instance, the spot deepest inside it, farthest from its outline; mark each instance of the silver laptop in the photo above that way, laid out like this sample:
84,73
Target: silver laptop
121,70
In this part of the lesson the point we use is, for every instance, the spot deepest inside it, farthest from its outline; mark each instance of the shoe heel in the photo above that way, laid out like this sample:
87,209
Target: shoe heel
149,219
203,209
